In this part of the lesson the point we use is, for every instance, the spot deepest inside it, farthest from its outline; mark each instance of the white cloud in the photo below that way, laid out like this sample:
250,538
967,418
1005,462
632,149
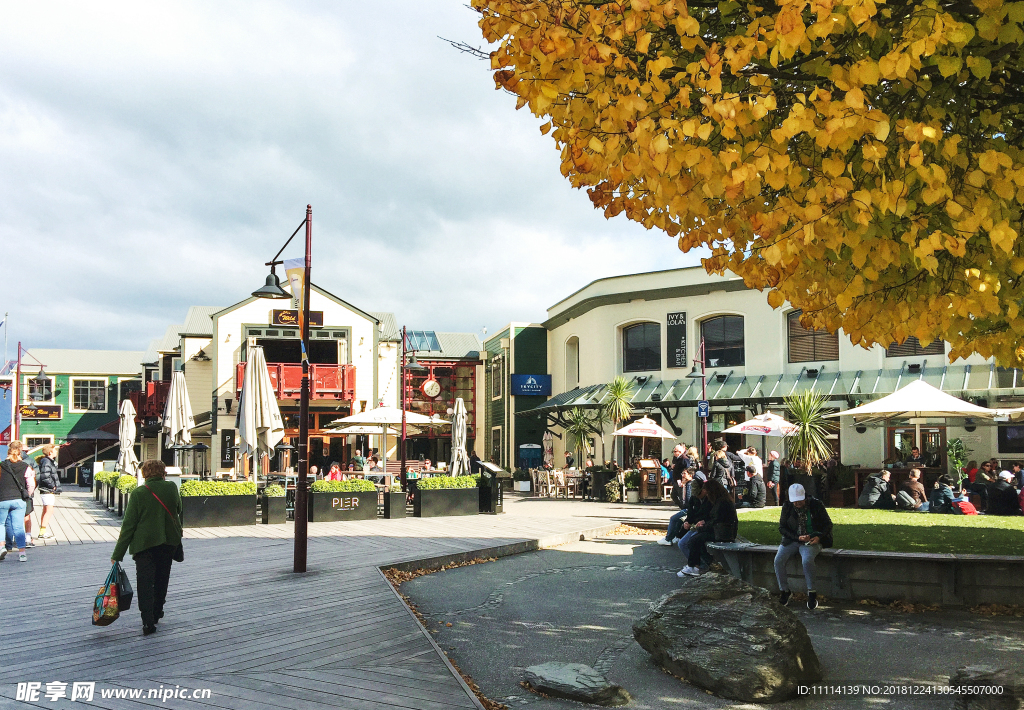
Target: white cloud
157,154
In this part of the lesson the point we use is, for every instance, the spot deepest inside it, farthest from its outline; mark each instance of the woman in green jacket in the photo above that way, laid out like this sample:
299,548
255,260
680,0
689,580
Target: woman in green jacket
151,532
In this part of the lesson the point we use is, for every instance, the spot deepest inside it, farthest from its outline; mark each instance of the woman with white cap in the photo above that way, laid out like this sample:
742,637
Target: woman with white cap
806,530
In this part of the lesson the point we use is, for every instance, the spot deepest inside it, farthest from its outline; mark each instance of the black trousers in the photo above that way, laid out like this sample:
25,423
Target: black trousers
152,574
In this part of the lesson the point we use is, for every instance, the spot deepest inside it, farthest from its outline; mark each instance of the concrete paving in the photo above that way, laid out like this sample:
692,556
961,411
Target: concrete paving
577,603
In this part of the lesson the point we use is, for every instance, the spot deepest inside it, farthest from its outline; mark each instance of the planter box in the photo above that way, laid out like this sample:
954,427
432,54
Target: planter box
331,507
218,511
110,490
522,486
394,505
273,510
632,495
446,501
96,491
122,501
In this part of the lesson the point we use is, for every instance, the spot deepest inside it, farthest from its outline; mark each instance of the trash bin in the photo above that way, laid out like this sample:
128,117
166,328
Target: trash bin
598,481
491,493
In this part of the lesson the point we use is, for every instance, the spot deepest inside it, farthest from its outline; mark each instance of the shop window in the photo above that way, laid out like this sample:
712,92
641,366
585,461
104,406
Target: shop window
39,391
496,444
723,341
126,387
34,442
495,379
88,395
912,347
572,363
806,345
641,347
1011,439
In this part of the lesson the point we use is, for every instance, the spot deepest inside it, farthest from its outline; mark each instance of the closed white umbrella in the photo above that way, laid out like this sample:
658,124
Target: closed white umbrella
127,461
460,459
260,427
178,421
549,448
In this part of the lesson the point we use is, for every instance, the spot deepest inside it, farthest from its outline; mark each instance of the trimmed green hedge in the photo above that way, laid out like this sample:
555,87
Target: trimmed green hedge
274,491
356,485
126,484
443,482
193,489
105,476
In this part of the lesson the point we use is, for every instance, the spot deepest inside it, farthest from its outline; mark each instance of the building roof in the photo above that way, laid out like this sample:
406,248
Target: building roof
88,362
152,353
172,338
198,322
454,345
389,330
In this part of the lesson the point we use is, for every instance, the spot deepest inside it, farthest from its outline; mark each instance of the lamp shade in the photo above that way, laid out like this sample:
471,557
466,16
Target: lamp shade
271,289
696,372
414,366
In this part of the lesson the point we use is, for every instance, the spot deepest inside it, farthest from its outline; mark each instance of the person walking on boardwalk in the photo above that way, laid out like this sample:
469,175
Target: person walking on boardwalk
806,529
49,488
151,532
14,491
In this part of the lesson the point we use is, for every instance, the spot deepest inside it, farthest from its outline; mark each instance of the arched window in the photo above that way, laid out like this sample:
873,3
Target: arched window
806,345
912,346
641,347
723,341
572,363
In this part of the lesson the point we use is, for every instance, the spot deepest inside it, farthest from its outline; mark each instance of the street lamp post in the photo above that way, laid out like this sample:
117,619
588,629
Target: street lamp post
415,366
701,374
272,289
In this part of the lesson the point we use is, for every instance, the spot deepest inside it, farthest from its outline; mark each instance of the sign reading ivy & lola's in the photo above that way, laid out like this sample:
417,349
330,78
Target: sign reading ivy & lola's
676,332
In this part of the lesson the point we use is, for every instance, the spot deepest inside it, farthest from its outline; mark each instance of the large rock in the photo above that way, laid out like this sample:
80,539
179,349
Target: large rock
982,683
730,638
575,681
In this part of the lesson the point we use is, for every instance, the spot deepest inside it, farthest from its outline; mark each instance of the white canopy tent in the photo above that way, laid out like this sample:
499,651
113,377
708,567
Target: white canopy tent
259,422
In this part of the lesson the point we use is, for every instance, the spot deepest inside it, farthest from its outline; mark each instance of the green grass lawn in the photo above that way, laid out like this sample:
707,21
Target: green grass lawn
889,531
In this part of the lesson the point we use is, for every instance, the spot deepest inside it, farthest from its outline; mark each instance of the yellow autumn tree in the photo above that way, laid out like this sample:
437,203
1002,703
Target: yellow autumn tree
860,159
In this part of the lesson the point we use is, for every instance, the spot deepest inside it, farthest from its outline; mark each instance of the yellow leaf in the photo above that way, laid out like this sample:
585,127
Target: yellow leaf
643,42
948,66
703,131
855,98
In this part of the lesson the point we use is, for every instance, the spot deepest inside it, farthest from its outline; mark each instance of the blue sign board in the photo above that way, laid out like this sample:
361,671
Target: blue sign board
531,385
703,408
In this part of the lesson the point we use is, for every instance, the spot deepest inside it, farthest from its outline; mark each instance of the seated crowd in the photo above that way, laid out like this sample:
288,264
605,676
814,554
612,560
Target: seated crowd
997,494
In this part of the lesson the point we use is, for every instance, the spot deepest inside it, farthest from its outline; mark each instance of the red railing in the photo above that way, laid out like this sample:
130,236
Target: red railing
150,402
325,381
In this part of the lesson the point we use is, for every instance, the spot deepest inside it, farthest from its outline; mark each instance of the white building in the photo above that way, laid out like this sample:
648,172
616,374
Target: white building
648,328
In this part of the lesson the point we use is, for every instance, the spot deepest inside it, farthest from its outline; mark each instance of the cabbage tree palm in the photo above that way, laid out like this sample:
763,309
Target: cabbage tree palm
809,444
580,425
618,403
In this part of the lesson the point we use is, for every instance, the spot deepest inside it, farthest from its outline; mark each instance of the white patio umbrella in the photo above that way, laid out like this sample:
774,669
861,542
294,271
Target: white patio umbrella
460,459
178,421
259,422
918,400
548,443
127,461
382,417
766,424
362,430
645,428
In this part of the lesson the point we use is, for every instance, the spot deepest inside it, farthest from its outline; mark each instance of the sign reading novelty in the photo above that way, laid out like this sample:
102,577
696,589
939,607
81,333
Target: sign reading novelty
676,332
316,318
42,412
531,384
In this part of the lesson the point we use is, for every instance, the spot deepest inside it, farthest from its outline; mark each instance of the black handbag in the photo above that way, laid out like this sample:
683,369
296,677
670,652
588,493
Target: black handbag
125,593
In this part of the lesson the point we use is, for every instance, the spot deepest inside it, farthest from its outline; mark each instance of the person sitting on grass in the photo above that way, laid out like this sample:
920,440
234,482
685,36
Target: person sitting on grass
912,493
720,525
877,492
755,494
806,530
1002,496
680,491
942,498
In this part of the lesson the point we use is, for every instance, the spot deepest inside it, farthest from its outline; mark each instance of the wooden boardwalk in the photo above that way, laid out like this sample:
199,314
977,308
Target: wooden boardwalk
239,623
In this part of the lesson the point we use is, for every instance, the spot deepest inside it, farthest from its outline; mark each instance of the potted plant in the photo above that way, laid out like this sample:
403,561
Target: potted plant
100,480
611,491
342,500
446,495
956,457
809,446
125,485
394,502
273,508
207,504
521,480
632,479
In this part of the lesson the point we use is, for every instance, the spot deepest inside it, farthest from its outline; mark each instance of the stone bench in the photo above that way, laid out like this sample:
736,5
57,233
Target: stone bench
925,578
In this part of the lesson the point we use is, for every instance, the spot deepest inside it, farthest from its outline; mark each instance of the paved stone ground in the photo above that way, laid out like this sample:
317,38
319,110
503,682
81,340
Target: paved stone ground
577,603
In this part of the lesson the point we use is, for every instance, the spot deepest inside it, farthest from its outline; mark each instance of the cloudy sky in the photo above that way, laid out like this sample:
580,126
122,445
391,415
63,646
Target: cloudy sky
156,154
